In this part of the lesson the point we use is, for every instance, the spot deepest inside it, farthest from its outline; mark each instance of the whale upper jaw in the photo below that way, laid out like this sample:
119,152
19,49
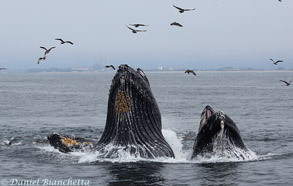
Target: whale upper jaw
206,113
133,118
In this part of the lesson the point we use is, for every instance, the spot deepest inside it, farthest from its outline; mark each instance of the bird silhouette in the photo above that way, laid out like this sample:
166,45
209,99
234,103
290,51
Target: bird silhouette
287,83
110,66
47,50
138,25
181,10
135,31
41,58
63,42
276,62
190,71
176,24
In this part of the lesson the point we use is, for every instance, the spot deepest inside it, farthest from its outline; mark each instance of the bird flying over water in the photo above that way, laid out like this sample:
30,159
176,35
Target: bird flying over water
176,24
41,58
135,31
47,50
276,62
63,42
190,71
181,10
138,25
287,83
110,66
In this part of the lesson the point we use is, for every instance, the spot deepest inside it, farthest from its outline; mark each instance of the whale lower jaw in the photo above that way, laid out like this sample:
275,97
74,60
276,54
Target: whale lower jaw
223,146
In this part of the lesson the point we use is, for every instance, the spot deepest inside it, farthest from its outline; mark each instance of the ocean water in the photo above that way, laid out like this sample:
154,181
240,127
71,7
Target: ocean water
33,105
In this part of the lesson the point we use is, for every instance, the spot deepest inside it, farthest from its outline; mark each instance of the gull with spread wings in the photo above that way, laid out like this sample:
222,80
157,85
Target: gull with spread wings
47,50
181,10
190,71
135,31
63,42
287,83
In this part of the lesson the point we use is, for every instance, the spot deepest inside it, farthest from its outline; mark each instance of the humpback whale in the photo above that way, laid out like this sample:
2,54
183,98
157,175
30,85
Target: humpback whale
133,123
217,133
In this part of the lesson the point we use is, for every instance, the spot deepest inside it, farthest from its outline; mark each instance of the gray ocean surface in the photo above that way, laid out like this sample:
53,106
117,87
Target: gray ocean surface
34,105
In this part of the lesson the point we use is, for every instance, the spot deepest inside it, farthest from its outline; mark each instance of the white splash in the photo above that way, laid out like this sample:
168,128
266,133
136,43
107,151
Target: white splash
175,142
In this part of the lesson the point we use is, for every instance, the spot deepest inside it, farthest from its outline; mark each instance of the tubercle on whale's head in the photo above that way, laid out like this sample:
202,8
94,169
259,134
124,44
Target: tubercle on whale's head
207,112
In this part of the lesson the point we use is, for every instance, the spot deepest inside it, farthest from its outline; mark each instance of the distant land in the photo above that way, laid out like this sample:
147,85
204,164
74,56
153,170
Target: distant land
101,68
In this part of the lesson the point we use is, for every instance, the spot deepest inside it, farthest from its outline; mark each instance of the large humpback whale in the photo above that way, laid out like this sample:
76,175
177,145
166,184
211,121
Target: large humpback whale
217,133
133,122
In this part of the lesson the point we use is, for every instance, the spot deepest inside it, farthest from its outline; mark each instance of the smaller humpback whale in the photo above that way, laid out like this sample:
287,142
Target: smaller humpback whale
217,132
67,143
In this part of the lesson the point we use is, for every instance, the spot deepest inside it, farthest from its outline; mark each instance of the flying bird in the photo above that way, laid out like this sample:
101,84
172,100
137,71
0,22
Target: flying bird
47,50
63,42
190,71
2,68
110,66
181,10
176,24
41,58
276,62
138,25
135,31
287,83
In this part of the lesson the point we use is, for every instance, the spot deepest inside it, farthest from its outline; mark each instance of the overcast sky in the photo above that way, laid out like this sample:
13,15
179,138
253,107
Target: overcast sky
219,33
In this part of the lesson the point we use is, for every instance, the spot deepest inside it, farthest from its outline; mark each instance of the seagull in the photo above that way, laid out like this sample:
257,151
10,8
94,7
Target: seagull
135,31
138,25
181,10
110,66
190,71
47,50
287,83
276,62
176,24
2,68
63,42
41,58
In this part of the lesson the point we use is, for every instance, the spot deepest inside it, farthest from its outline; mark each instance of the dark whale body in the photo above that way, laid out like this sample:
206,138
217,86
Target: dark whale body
133,121
217,131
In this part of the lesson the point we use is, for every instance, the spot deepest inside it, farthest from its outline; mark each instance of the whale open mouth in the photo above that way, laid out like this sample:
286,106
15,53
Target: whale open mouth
216,131
133,118
206,113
